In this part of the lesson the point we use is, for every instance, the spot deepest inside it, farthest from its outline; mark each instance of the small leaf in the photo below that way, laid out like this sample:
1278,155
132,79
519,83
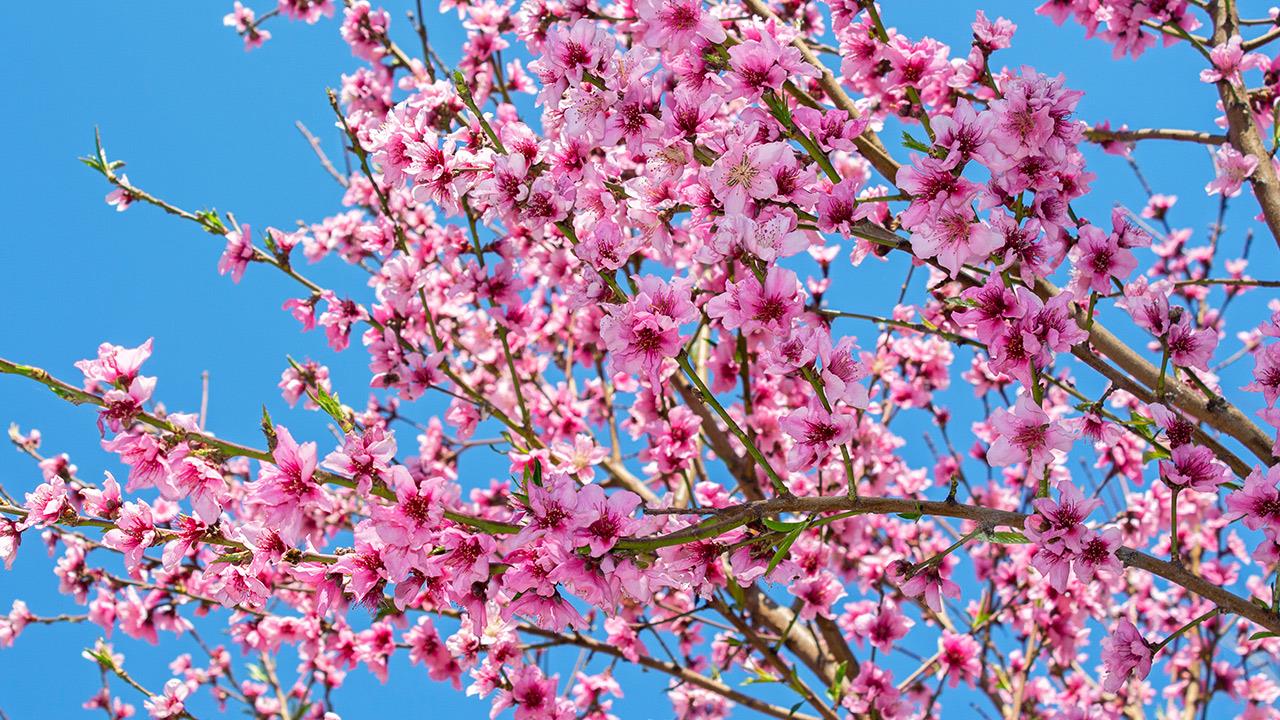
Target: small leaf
781,526
836,689
269,430
1263,635
1008,537
911,143
760,677
1154,454
783,550
912,516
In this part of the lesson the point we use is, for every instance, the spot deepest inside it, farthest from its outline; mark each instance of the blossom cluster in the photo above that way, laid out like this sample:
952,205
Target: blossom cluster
613,238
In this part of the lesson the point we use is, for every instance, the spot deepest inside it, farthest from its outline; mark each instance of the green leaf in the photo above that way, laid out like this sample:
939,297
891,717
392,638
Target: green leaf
269,430
1140,420
836,690
760,677
1264,634
257,674
782,526
332,407
1154,454
912,516
783,549
94,163
1008,537
911,143
211,222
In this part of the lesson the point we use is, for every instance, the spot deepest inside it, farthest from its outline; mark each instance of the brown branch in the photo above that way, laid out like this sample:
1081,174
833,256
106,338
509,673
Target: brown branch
1099,135
314,142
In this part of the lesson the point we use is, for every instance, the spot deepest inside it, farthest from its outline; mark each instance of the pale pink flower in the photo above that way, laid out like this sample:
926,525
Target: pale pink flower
1125,654
1027,435
1231,169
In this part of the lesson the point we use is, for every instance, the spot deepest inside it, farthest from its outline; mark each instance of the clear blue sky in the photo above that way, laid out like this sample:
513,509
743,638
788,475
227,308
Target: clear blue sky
203,123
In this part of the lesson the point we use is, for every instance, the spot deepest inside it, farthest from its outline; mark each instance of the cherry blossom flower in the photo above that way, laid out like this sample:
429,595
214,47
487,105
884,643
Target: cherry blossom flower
1232,170
1027,435
816,432
754,307
1266,373
135,531
1126,655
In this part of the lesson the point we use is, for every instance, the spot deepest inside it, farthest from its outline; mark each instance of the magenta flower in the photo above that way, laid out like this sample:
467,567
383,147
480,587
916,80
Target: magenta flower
193,478
120,198
1232,170
10,540
115,366
743,174
1258,502
756,308
1097,258
881,625
1027,435
1229,60
172,703
955,236
673,24
1195,467
286,490
238,253
553,512
842,373
931,583
1125,655
135,531
608,517
816,432
1266,373
46,504
958,658
966,135
364,457
817,593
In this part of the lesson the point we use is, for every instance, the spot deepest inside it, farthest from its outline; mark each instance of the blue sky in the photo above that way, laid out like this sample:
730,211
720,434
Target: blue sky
204,124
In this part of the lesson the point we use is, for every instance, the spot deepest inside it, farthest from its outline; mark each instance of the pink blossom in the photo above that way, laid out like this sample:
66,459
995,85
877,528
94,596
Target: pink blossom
1266,373
135,531
170,704
10,539
1258,502
816,432
754,307
1099,257
931,583
742,174
673,24
1232,169
1125,654
607,518
955,237
46,504
1229,60
553,511
1195,467
238,253
1027,435
120,198
286,488
958,658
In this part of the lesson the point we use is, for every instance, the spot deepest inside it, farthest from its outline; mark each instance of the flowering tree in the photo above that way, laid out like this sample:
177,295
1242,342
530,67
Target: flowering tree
702,471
